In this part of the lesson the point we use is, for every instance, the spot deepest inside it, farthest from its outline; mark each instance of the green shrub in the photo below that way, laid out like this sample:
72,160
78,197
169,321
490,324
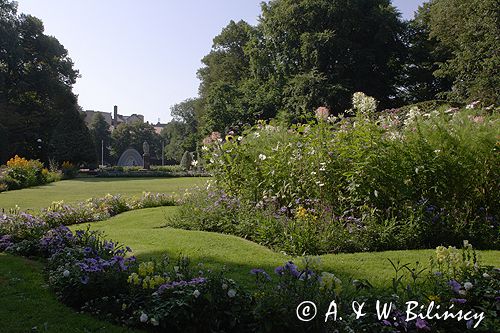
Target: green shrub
371,181
69,170
21,173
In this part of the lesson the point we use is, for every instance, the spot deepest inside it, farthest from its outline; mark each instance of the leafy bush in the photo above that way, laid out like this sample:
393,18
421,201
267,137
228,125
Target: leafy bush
392,180
69,170
21,173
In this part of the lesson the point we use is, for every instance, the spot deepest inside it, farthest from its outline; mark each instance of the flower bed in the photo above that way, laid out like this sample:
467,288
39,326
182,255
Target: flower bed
366,181
98,276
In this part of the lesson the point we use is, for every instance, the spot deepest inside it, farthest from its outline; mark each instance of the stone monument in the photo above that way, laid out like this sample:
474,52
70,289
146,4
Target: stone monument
145,148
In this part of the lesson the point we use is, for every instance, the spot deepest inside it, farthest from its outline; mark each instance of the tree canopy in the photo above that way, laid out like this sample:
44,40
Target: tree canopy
470,29
36,79
302,55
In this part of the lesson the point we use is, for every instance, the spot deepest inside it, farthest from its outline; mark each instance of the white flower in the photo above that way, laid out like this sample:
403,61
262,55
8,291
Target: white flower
154,322
224,286
437,151
473,105
257,134
468,286
194,163
486,275
461,292
240,138
313,173
231,293
143,318
196,293
66,273
204,148
262,157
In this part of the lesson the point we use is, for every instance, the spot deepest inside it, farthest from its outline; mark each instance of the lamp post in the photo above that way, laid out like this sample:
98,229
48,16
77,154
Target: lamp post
162,153
102,153
39,143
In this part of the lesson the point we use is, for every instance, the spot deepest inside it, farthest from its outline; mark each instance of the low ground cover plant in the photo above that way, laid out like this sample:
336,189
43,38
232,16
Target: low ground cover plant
362,181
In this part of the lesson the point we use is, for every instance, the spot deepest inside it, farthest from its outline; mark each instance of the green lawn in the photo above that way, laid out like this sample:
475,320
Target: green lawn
81,189
142,231
26,305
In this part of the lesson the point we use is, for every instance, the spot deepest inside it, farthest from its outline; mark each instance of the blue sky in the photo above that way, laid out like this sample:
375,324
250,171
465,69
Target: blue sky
143,55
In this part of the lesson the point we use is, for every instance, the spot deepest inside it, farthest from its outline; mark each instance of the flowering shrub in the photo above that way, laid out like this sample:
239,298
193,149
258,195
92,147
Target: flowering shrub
21,173
69,170
389,180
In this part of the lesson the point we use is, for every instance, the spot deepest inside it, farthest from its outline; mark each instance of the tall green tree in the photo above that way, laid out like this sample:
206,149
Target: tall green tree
36,79
424,56
101,137
175,144
339,47
470,28
225,70
302,54
71,141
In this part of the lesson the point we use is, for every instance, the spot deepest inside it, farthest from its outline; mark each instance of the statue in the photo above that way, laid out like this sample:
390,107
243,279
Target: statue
145,148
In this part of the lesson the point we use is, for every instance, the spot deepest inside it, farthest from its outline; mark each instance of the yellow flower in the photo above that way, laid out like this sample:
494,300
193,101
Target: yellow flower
434,298
145,282
133,279
301,212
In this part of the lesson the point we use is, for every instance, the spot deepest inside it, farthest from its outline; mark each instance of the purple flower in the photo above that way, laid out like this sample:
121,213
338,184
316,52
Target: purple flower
455,286
386,323
292,268
422,325
84,279
177,284
260,271
109,246
458,300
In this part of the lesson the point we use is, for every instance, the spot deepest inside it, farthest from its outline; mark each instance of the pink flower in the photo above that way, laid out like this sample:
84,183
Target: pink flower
322,113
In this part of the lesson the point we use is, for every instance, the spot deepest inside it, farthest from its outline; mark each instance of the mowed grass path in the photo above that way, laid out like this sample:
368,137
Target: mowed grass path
76,190
143,231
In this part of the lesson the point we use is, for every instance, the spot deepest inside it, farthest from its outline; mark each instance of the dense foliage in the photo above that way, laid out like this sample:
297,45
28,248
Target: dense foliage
394,180
470,30
39,115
